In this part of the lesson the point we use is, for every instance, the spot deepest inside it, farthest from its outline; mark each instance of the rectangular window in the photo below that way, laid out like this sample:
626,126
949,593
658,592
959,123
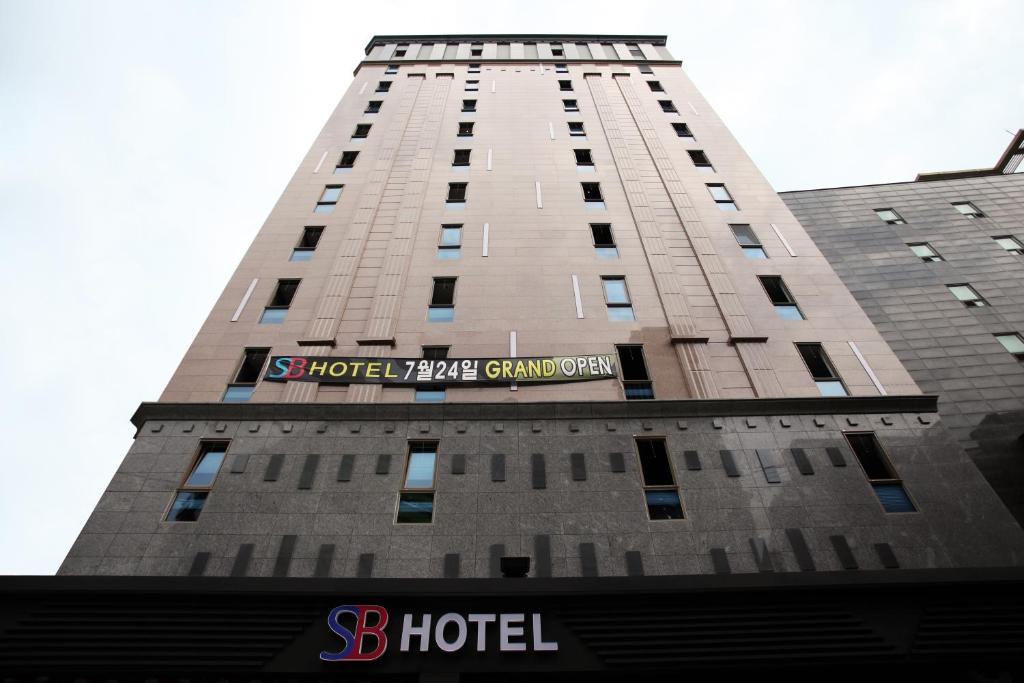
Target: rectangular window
346,163
655,86
461,157
604,242
576,129
880,472
616,297
442,301
303,251
476,50
472,86
561,68
416,498
968,209
636,382
592,197
779,294
468,105
682,130
372,107
465,129
890,216
383,86
967,294
748,241
1013,343
401,50
924,251
645,69
248,374
822,371
474,68
557,50
329,199
700,159
449,247
191,496
634,50
277,309
570,105
1010,243
565,86
391,70
668,107
433,393
660,491
457,193
362,131
583,157
722,197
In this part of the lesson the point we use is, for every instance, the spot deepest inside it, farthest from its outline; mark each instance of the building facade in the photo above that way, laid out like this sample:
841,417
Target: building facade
528,333
937,265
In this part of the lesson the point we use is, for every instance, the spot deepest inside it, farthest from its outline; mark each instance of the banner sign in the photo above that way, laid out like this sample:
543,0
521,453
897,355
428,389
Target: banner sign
413,371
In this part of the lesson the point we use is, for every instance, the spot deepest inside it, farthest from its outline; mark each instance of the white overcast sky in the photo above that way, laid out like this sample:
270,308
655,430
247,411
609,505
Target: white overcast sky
143,143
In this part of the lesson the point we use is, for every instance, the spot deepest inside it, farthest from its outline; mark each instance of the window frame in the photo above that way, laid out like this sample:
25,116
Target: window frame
238,369
830,366
566,86
668,106
443,247
301,248
468,106
573,108
1019,355
471,85
622,373
455,158
391,70
673,487
345,168
789,303
430,299
613,246
371,109
975,212
600,194
627,304
322,203
887,463
465,193
655,86
432,489
730,202
706,164
935,256
1017,251
362,131
756,248
899,220
588,154
204,447
681,125
465,129
582,129
383,86
473,69
978,302
436,388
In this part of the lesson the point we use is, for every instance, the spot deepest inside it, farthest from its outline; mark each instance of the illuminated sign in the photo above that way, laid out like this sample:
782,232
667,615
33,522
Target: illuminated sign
412,371
365,641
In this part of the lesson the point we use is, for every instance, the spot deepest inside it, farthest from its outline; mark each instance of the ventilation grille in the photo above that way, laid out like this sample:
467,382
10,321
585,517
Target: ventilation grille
978,628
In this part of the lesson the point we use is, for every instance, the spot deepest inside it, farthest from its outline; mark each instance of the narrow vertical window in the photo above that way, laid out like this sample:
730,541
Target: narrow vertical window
195,488
469,106
661,494
668,107
432,393
456,193
465,129
748,241
604,242
583,158
822,371
924,251
616,297
461,157
372,107
308,242
416,499
592,196
346,163
1010,243
890,216
383,86
682,130
362,131
968,209
636,382
442,301
277,309
700,160
329,199
880,472
570,105
722,197
576,129
967,295
449,247
785,305
246,377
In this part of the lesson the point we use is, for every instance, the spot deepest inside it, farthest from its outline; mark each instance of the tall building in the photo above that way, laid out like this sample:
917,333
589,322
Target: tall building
938,266
530,371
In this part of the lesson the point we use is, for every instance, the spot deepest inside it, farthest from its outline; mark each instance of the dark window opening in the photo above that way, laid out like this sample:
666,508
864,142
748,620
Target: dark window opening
384,86
821,370
391,70
699,158
748,241
583,157
348,160
682,130
668,107
457,192
461,157
660,492
604,243
308,242
565,86
372,107
195,489
592,192
362,130
655,86
779,295
570,105
576,128
465,129
880,473
636,383
561,68
469,105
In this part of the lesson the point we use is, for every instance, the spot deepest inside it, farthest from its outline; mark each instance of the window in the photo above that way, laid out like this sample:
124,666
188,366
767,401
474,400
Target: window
383,86
634,50
303,251
465,129
401,50
576,129
645,69
682,130
583,157
822,372
616,297
570,105
362,131
561,68
700,159
329,199
565,86
880,472
1010,243
722,197
967,294
345,164
779,294
372,107
461,157
191,496
557,51
449,247
1013,343
636,383
442,301
474,68
468,105
748,241
968,209
391,70
924,251
248,374
433,393
660,491
457,193
277,309
655,86
592,196
416,499
476,50
668,107
890,216
472,86
604,243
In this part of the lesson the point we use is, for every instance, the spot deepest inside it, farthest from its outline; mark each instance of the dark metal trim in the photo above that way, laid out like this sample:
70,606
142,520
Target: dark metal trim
515,38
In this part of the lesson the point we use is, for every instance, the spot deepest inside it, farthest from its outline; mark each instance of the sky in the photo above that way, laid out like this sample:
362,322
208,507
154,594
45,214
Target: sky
143,144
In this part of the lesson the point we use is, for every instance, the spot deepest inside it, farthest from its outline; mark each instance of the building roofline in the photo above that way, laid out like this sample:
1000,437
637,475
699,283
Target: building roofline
1002,167
515,37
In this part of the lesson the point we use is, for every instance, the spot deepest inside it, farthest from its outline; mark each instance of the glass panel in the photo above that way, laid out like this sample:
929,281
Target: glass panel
663,505
331,194
654,464
1011,342
440,315
965,209
449,254
638,391
607,252
817,364
789,312
894,498
963,293
756,253
831,388
238,394
922,250
1009,243
727,206
775,289
324,208
869,453
888,215
206,469
745,235
621,313
719,193
451,236
615,291
415,508
430,395
420,473
302,255
273,316
186,506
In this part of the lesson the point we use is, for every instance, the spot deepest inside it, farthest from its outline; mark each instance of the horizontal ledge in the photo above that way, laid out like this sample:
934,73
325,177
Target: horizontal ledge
753,339
690,339
317,342
371,341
